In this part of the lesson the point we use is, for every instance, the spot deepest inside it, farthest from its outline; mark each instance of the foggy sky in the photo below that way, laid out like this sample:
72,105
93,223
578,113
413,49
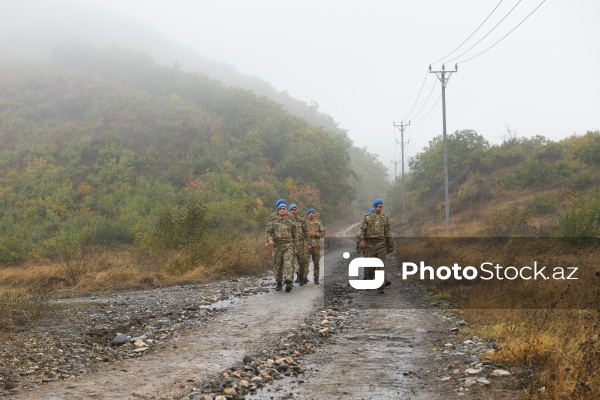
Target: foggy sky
365,62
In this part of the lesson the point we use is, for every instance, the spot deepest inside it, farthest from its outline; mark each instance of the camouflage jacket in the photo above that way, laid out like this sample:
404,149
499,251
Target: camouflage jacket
375,231
302,228
274,215
282,232
317,227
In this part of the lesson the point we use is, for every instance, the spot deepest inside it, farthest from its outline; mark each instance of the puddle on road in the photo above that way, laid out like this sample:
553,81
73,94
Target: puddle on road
220,305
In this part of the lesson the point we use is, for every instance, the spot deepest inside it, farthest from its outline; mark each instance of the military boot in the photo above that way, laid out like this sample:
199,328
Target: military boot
288,286
278,287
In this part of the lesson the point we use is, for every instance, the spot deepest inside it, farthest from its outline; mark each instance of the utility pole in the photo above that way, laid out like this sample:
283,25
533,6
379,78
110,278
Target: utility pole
395,170
402,126
444,81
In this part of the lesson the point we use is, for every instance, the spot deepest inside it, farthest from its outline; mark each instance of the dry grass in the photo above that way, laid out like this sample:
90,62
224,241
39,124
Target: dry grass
558,349
556,346
549,329
25,290
20,308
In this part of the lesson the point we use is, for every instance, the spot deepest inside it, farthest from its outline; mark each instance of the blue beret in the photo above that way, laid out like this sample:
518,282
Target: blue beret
292,206
280,201
372,210
280,206
377,202
310,210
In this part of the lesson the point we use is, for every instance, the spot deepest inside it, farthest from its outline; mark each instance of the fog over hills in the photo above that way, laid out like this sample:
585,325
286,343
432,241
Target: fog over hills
32,29
36,29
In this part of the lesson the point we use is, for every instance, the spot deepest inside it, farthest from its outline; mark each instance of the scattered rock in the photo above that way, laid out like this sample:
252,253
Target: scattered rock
472,371
120,339
483,381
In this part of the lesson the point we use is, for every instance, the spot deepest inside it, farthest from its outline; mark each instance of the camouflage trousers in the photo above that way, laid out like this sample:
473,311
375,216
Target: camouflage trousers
299,261
376,252
315,254
282,260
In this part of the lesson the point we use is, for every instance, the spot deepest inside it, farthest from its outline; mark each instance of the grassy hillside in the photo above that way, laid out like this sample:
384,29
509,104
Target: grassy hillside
523,187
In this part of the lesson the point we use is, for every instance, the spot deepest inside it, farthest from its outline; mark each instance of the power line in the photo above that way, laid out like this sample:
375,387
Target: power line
501,39
419,95
427,99
432,108
486,35
470,36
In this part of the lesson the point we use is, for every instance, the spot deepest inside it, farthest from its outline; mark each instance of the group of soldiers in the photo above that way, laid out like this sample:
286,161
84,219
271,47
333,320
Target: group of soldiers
297,240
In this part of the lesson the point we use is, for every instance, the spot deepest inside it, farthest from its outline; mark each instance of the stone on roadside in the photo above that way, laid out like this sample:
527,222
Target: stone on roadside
483,381
120,339
470,382
243,383
229,391
501,372
472,371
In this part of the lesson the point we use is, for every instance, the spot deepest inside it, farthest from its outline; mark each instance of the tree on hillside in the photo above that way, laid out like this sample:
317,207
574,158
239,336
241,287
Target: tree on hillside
465,150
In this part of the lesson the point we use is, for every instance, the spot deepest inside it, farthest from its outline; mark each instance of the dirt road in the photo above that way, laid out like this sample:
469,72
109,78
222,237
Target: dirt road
386,351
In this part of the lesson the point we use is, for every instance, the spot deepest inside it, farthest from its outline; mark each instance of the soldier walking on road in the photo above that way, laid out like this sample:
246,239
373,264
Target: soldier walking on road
316,231
281,233
299,260
275,215
375,239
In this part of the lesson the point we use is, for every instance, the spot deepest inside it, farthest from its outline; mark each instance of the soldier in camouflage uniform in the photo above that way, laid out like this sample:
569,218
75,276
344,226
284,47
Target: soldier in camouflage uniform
281,233
275,213
375,239
313,249
299,260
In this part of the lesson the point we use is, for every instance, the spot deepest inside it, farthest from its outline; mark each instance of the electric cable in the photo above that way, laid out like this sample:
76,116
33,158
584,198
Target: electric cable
486,35
501,39
419,95
432,108
426,100
470,36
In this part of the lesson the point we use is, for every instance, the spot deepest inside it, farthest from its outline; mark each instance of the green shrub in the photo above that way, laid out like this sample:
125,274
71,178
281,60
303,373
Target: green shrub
580,221
543,203
176,229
